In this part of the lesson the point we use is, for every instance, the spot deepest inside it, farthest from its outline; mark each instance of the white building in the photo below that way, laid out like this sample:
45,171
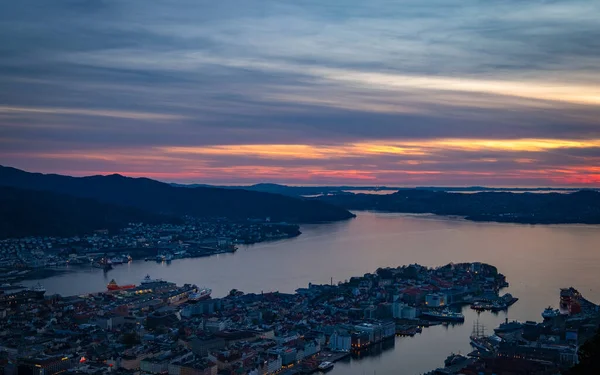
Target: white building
435,300
340,341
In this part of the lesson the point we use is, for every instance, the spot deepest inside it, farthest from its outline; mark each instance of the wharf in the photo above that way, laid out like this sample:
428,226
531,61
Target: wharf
332,356
453,369
306,368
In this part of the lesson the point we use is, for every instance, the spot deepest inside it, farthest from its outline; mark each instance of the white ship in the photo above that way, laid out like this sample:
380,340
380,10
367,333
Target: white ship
149,280
550,313
325,366
201,294
38,289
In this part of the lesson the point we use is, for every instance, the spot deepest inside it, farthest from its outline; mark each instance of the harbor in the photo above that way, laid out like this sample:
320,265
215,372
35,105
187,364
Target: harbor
271,333
546,347
341,250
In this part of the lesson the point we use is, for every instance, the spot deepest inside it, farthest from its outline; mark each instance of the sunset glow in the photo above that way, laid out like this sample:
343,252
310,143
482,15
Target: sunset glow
371,93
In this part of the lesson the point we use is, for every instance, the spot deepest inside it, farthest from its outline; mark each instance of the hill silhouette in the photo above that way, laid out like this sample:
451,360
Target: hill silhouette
529,208
161,198
41,213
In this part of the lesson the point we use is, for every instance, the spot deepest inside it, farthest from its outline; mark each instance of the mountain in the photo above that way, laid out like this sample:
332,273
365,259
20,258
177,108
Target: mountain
41,213
305,191
292,191
529,208
161,198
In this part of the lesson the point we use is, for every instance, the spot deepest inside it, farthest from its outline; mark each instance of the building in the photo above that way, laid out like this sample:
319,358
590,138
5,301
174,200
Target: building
435,300
340,341
44,366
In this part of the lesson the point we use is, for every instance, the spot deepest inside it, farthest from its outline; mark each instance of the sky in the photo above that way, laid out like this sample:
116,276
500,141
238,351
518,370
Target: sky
304,92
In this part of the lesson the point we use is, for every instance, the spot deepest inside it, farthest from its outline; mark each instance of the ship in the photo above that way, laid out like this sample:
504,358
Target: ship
454,359
114,286
164,257
105,266
444,315
325,366
498,306
149,280
550,313
478,339
481,306
200,295
508,327
508,299
104,263
38,290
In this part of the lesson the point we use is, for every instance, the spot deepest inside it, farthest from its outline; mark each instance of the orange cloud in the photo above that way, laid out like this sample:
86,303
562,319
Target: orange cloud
372,162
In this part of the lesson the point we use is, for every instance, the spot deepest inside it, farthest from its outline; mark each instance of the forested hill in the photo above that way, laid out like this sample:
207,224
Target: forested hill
161,198
530,208
41,213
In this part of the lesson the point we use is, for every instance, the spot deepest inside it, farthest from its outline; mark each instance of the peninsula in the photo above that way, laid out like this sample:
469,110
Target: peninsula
124,199
157,326
581,207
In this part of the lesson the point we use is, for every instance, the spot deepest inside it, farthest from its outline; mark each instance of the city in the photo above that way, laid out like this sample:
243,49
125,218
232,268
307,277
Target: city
157,327
268,187
29,257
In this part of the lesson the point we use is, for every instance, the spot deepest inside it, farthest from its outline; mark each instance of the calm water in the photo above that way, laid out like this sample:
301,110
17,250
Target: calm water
537,260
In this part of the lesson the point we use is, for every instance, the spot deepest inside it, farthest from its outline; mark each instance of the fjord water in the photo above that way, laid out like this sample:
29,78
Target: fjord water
537,261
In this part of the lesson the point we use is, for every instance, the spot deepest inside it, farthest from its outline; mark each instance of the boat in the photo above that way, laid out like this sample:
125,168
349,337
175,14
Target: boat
498,306
200,295
39,290
167,257
149,280
114,286
507,327
508,299
481,306
104,266
104,263
325,366
454,359
550,313
478,339
445,315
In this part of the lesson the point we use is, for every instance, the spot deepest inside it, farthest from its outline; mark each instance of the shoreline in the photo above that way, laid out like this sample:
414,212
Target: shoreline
472,219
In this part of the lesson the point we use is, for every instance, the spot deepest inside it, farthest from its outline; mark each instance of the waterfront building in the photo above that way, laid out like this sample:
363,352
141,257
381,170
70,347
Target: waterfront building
340,341
44,365
435,300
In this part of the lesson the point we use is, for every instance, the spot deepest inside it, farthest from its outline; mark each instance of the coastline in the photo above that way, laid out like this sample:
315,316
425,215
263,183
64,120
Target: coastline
480,218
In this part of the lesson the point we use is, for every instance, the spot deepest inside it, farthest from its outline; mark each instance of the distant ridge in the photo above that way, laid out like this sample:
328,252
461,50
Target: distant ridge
316,190
161,198
581,207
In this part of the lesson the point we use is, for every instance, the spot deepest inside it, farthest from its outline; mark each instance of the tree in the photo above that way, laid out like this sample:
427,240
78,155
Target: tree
589,358
130,339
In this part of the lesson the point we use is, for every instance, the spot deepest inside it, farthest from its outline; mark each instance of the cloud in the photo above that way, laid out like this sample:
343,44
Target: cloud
91,112
440,91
